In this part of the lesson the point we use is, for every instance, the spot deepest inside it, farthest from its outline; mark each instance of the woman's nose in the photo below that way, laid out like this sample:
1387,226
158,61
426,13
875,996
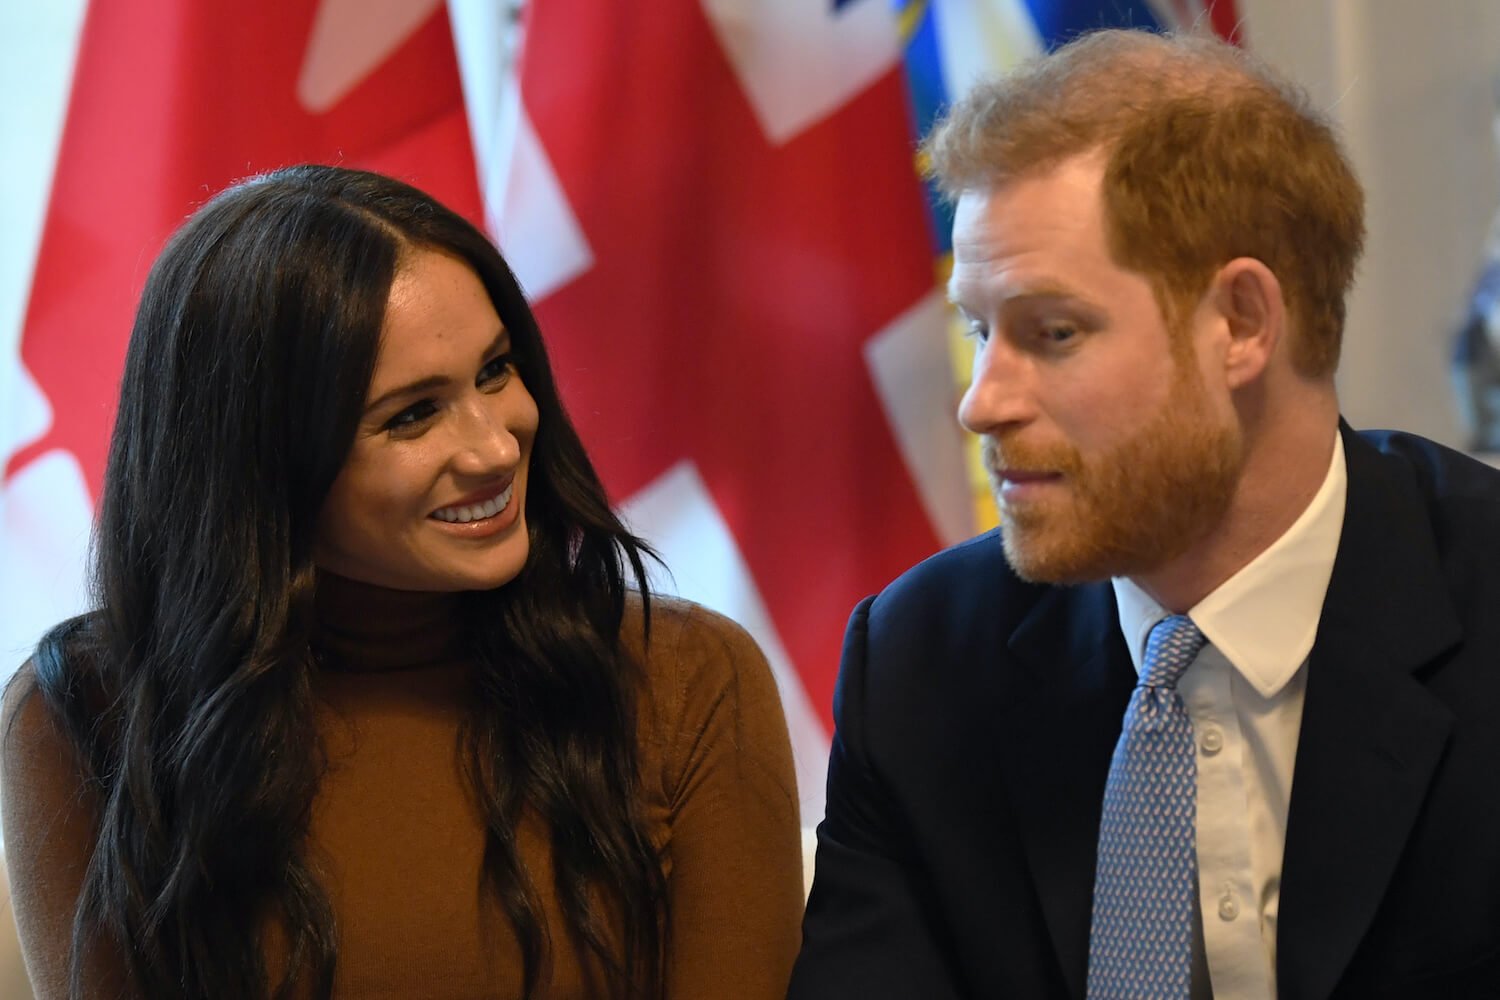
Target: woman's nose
486,444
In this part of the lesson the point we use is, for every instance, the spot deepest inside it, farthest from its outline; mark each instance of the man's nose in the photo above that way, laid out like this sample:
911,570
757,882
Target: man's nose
1001,391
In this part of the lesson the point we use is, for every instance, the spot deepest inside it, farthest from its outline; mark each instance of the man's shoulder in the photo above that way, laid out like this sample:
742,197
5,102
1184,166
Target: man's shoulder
1440,472
957,595
1459,494
975,566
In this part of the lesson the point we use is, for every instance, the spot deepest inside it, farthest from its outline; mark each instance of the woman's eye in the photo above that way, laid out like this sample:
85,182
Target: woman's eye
497,370
977,332
412,417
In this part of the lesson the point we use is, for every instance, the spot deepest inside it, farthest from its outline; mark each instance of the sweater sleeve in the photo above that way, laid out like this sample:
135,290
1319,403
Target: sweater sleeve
49,827
735,844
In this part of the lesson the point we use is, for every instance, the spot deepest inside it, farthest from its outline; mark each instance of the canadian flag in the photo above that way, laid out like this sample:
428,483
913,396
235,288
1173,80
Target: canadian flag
171,101
712,203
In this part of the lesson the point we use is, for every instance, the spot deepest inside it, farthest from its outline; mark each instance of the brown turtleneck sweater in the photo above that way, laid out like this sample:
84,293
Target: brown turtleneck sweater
399,841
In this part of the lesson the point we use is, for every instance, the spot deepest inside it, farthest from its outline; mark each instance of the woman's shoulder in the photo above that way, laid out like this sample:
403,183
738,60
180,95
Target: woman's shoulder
31,731
32,738
686,640
49,812
21,706
699,666
711,705
41,777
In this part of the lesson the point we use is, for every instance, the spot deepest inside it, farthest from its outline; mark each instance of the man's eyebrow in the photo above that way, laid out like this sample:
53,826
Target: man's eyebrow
1038,290
431,382
1047,290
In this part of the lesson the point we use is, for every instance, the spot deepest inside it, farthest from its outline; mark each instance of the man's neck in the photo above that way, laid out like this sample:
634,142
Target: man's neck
1284,469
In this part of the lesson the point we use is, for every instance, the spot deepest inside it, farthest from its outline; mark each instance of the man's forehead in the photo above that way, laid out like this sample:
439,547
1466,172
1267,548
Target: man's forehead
1042,227
1068,188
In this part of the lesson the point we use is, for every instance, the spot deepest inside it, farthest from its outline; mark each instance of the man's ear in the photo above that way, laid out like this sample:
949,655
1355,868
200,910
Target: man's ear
1247,296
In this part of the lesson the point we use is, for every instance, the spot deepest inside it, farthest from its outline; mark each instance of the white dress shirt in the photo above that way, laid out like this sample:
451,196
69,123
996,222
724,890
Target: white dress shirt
1244,695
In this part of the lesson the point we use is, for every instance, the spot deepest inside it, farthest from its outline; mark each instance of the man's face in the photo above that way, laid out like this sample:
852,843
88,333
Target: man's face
1108,453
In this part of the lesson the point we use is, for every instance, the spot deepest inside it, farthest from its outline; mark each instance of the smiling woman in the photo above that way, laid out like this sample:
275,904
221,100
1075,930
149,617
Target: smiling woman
432,495
368,706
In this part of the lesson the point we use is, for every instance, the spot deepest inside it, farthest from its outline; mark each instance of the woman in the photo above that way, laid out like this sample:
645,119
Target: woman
366,707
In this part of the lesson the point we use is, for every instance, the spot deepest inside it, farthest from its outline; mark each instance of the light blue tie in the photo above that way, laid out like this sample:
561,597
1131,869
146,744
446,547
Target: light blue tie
1141,939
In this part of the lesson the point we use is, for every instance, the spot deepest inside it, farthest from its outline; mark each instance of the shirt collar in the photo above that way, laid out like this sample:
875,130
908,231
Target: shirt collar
1263,618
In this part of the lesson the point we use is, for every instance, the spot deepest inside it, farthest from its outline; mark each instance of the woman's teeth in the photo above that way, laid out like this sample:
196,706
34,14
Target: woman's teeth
476,511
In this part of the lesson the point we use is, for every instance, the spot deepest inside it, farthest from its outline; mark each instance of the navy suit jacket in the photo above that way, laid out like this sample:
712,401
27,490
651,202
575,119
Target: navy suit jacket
976,715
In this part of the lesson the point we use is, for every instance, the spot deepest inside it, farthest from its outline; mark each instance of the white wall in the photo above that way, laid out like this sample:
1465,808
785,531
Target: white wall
1412,84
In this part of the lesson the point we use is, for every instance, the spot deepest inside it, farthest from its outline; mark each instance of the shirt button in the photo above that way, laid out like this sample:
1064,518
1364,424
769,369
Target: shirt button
1213,740
1229,907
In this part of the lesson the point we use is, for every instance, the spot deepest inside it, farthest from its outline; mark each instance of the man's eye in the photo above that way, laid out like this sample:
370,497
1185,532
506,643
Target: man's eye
977,332
498,370
412,417
1058,333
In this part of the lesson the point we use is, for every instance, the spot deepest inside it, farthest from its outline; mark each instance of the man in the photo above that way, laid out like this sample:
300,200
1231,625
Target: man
1217,711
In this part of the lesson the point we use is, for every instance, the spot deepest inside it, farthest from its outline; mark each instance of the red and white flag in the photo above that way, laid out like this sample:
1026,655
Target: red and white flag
714,205
172,100
712,202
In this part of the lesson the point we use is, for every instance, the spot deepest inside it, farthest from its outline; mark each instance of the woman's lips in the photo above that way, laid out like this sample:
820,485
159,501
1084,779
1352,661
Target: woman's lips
477,506
481,514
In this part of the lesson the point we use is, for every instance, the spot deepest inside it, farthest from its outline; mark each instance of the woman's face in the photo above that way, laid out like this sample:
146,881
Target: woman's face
433,494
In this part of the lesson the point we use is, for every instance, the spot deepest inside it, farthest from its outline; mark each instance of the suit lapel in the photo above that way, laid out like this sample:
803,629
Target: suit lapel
1058,743
1371,734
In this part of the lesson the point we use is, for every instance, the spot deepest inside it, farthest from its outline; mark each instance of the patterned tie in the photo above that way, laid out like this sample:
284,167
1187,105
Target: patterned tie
1141,940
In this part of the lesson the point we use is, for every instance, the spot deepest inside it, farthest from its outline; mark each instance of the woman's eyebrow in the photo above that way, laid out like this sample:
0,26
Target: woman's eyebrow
431,382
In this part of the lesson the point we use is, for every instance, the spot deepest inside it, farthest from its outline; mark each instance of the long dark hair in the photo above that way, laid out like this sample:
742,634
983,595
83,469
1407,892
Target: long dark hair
245,377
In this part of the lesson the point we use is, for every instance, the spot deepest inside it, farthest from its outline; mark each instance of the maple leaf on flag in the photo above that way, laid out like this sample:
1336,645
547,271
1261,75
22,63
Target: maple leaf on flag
719,221
714,205
172,101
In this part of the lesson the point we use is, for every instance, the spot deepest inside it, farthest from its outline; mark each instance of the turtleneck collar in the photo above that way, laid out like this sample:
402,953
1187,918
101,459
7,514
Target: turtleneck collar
364,628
